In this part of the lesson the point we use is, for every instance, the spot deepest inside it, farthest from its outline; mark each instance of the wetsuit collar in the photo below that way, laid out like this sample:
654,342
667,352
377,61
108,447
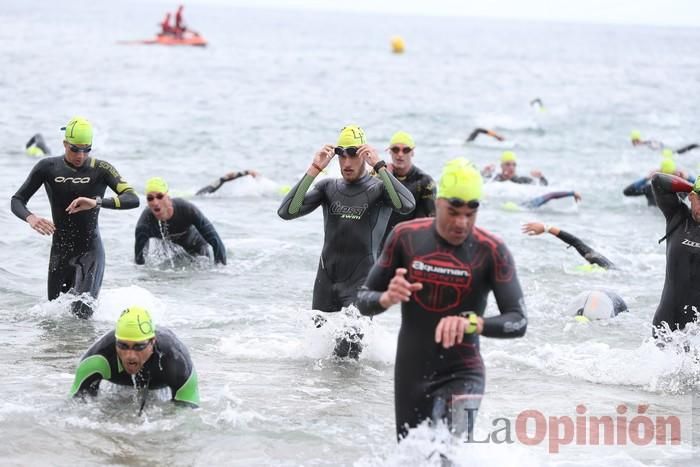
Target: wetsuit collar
410,172
86,163
359,180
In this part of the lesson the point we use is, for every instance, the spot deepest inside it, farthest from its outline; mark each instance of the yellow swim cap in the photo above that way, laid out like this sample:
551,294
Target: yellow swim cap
351,135
582,319
636,135
668,166
696,187
667,152
156,185
401,137
34,151
460,180
508,156
78,131
135,325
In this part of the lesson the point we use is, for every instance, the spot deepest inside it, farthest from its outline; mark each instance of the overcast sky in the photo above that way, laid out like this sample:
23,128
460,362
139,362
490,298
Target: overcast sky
655,12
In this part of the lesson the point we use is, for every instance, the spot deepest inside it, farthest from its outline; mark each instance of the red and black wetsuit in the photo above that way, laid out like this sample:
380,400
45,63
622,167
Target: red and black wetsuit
681,295
456,279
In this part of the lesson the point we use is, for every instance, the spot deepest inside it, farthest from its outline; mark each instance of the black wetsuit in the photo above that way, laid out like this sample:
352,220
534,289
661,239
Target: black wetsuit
169,366
77,256
422,187
521,180
456,279
584,250
681,294
216,184
188,228
355,216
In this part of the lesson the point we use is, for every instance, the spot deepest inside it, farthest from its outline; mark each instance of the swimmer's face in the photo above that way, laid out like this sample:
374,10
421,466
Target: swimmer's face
160,205
134,355
401,158
694,205
76,154
453,223
352,168
508,169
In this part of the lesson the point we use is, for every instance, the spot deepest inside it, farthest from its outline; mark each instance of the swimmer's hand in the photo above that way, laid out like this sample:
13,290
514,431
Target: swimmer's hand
450,330
577,196
533,228
322,158
399,290
536,174
41,225
81,204
253,173
369,154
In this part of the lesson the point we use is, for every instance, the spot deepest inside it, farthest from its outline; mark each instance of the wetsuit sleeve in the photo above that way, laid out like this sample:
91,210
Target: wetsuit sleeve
141,234
687,148
636,188
207,230
665,189
298,202
93,368
584,250
379,277
396,194
523,180
182,376
512,321
27,190
540,200
425,204
126,196
216,184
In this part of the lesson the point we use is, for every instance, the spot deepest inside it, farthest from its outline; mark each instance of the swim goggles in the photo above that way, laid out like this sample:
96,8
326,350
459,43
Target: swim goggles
136,347
75,148
397,150
459,202
345,152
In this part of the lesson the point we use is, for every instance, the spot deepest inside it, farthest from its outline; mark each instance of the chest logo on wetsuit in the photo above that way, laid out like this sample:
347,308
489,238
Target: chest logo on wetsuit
691,243
445,281
72,179
348,212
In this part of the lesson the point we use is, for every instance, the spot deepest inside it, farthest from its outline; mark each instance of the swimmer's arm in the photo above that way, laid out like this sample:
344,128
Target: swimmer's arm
636,188
33,182
126,196
540,200
216,184
207,230
666,188
298,202
141,235
479,131
91,370
512,321
687,148
369,297
588,253
187,393
396,194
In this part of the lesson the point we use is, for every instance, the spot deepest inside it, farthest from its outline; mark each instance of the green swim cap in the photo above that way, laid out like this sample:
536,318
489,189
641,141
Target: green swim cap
667,152
668,166
511,206
460,180
636,135
351,135
156,185
135,325
582,319
508,156
401,137
34,151
78,131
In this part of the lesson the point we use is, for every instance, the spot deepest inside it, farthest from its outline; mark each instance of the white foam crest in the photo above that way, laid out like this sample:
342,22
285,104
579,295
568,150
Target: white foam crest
674,369
113,301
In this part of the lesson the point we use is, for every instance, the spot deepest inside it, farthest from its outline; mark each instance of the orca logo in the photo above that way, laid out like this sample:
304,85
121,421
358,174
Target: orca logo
72,179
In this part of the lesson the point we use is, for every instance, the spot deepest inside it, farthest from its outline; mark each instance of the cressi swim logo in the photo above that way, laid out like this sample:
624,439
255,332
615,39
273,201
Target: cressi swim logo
72,179
348,212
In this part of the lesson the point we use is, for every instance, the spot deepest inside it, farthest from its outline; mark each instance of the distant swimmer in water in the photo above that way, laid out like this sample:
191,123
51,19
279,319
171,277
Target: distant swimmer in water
136,354
541,200
595,305
36,146
642,187
482,131
75,185
356,209
537,104
442,270
216,184
636,140
175,220
680,299
508,164
588,253
420,184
